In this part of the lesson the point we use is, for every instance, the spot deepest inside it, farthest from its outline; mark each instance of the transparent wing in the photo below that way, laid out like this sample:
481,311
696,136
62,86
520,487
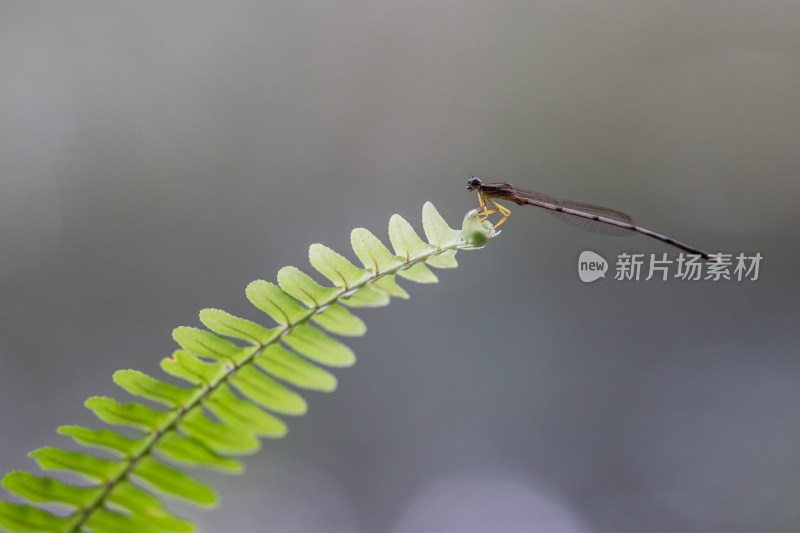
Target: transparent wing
594,226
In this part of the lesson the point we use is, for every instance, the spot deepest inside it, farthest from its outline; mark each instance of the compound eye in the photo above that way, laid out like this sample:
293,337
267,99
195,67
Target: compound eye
473,183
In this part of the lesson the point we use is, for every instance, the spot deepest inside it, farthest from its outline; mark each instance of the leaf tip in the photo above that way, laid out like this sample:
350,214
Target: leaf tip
475,232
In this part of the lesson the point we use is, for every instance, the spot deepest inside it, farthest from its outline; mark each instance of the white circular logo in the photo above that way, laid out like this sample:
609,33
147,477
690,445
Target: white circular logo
591,266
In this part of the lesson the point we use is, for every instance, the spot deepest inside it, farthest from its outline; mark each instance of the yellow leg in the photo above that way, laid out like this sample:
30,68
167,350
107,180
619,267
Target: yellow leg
497,208
481,201
486,211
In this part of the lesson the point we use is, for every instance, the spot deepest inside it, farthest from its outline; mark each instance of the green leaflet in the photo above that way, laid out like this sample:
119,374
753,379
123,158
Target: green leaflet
300,285
388,285
192,451
419,273
101,438
239,328
129,414
267,392
206,344
340,321
222,439
372,253
341,272
140,384
187,366
243,415
50,458
367,296
143,504
235,387
446,259
106,520
47,489
271,299
291,368
319,346
174,482
437,231
405,241
16,517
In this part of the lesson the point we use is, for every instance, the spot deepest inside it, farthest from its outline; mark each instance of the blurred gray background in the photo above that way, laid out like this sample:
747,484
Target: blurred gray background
156,157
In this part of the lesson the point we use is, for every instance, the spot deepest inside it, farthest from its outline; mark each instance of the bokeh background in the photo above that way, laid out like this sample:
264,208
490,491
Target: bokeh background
156,157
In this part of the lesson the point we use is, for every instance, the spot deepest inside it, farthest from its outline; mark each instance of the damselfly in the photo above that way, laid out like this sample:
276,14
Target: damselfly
586,216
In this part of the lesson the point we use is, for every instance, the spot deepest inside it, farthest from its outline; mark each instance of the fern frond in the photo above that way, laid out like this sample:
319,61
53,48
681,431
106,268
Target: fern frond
235,388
